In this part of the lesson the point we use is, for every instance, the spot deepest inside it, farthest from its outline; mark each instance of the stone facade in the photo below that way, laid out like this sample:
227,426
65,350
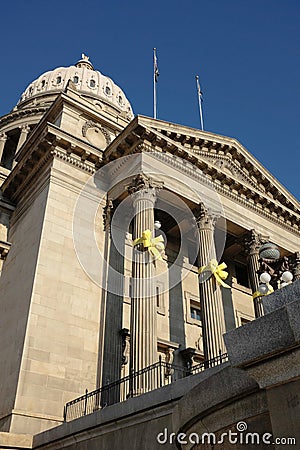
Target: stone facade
73,320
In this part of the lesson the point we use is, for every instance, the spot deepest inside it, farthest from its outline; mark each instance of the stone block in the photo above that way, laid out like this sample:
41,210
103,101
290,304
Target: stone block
260,337
281,297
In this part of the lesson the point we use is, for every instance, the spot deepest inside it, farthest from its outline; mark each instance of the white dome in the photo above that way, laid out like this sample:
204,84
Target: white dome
89,82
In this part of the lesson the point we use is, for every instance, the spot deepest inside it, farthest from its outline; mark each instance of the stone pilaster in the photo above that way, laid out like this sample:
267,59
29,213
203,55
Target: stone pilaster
3,139
107,215
143,330
252,243
213,321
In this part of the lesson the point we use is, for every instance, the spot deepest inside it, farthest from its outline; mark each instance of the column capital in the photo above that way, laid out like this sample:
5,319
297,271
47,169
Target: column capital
205,218
25,128
142,182
252,241
143,187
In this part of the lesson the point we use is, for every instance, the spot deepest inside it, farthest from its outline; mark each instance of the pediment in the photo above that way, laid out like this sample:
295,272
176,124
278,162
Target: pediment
229,167
228,156
224,160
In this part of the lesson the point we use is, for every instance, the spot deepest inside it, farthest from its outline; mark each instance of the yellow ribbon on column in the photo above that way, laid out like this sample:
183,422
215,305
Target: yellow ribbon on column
259,294
154,246
217,270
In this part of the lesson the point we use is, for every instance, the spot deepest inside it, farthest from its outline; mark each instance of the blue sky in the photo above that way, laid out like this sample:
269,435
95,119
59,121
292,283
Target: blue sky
245,52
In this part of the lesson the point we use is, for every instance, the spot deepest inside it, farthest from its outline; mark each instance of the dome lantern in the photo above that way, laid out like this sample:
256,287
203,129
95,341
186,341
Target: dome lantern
85,62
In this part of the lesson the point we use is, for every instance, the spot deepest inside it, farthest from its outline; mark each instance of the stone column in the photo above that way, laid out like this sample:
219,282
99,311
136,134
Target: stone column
23,136
213,321
143,330
252,243
112,352
3,139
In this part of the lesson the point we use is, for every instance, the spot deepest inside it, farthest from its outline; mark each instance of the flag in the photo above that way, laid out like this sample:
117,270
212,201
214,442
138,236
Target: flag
200,93
156,72
200,100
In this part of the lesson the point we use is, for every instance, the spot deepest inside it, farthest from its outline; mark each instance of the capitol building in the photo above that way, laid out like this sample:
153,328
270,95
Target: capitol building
129,247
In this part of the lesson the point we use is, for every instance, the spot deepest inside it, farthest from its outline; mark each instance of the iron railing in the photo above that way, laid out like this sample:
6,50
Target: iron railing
136,383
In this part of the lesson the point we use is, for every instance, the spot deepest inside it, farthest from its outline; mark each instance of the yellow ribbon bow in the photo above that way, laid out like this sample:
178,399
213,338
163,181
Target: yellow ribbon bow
154,245
259,294
217,270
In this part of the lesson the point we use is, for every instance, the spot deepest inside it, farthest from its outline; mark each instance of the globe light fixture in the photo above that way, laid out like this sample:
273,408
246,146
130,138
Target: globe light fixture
265,278
263,288
286,278
157,225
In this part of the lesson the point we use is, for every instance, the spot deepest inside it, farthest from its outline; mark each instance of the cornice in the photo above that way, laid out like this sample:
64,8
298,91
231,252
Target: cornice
188,169
74,160
51,142
216,145
19,114
200,152
225,184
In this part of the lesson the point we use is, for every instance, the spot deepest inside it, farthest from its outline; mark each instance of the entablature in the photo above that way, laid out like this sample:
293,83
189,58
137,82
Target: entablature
223,160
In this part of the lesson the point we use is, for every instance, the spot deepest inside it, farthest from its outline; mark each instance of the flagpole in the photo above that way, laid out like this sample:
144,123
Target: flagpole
154,82
199,101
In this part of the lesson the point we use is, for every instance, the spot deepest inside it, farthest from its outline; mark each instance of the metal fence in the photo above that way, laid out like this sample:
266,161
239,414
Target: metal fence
136,383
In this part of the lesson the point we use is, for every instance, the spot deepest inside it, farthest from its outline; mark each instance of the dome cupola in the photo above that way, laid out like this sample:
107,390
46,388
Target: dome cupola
90,83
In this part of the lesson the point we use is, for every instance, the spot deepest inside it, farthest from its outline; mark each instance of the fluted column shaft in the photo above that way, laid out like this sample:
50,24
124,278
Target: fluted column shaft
143,303
253,242
213,320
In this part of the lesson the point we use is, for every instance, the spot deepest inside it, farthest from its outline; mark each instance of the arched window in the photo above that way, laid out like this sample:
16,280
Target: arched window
92,83
75,79
58,80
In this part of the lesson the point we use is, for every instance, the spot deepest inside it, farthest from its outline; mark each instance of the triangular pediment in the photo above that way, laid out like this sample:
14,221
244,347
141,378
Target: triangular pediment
224,160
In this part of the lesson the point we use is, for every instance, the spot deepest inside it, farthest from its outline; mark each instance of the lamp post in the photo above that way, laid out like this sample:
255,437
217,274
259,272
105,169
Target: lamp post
274,270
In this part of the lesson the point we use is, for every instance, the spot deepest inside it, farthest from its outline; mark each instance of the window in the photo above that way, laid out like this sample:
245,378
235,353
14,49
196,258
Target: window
192,309
75,79
195,313
92,83
120,100
159,289
241,274
107,90
157,297
43,83
58,80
